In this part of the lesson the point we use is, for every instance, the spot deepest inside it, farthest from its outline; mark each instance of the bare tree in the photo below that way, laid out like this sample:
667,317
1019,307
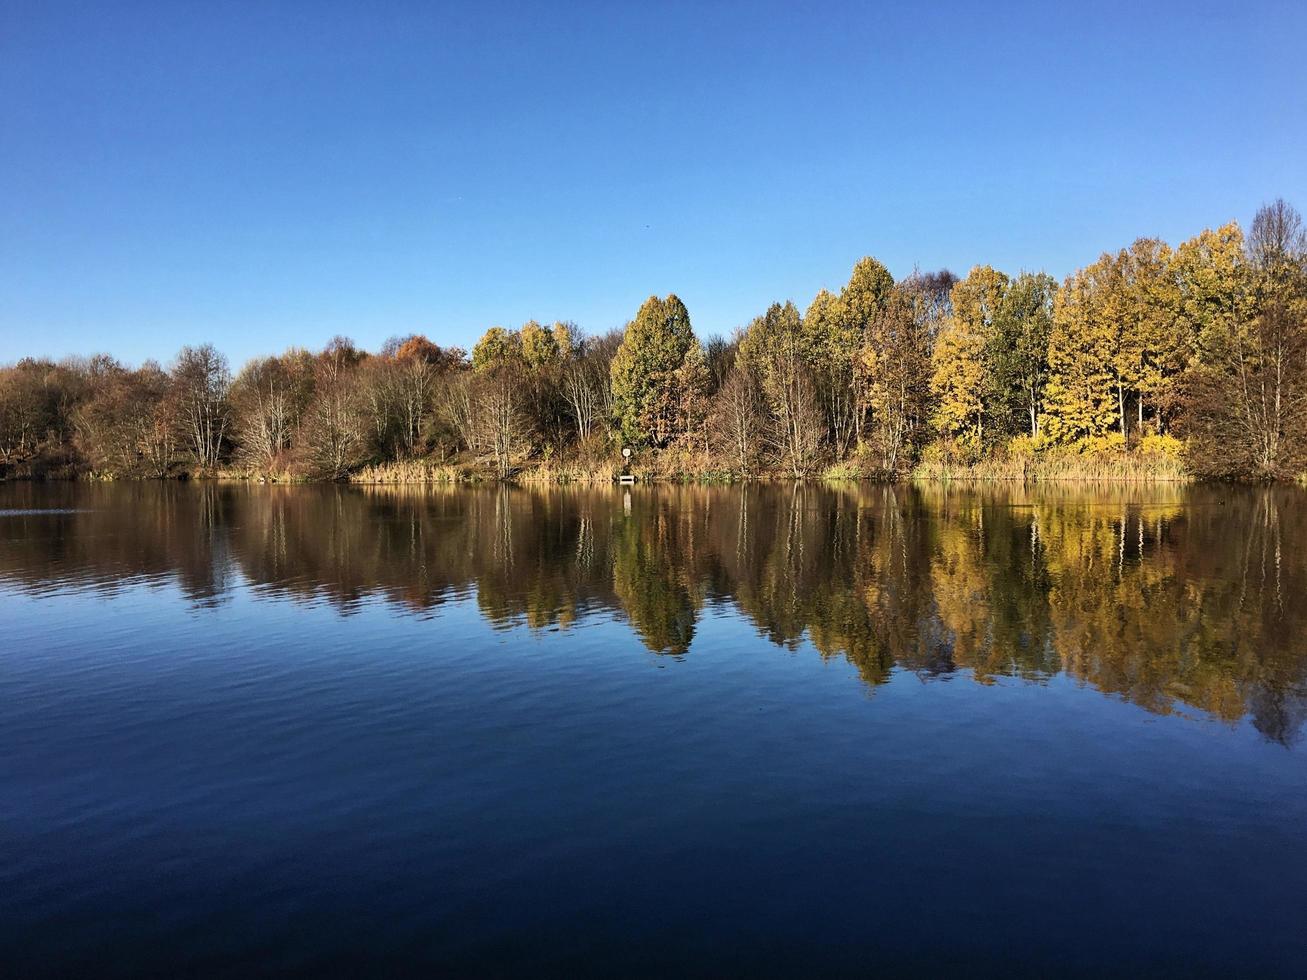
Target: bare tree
778,350
736,423
268,401
124,428
1250,394
586,386
456,407
894,372
26,411
333,438
719,352
797,423
501,429
200,381
412,383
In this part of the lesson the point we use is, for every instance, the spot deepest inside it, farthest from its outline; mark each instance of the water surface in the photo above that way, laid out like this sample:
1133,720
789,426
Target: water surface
767,731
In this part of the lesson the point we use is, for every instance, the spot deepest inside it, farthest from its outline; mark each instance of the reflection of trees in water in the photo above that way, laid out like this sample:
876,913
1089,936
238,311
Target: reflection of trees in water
1165,596
661,598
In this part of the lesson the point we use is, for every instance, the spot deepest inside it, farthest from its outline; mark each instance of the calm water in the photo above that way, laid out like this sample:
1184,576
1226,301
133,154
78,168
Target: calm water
761,731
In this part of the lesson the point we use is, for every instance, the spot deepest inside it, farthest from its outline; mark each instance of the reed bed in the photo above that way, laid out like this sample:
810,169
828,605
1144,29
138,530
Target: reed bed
414,471
1060,468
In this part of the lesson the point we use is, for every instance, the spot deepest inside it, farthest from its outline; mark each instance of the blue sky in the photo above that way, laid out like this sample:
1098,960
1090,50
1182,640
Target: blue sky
268,174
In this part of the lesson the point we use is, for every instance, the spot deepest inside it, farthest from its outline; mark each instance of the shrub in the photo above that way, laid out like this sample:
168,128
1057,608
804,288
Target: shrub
1107,444
1166,446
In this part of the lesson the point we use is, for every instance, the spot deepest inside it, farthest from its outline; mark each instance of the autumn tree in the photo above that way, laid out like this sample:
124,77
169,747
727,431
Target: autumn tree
1080,399
1214,287
894,367
1153,335
692,388
539,346
861,301
1248,415
543,358
962,380
831,352
496,346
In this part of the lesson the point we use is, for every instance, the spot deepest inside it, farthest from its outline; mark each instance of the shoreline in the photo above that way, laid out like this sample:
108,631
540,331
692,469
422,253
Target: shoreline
1060,468
978,475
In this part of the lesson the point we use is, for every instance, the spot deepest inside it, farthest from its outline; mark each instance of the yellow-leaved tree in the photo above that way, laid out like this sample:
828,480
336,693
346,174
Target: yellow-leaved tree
959,377
1080,401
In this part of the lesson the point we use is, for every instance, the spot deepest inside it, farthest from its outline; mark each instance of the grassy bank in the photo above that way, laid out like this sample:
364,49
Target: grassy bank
415,471
1129,470
1159,461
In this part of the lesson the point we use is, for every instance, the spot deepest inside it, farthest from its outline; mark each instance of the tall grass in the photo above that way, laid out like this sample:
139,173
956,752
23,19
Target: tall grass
1005,466
414,471
1064,467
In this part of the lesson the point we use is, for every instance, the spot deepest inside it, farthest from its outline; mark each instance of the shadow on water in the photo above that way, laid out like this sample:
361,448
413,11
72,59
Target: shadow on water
1172,598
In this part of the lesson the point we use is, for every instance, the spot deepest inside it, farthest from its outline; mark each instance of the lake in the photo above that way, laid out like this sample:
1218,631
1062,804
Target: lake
770,730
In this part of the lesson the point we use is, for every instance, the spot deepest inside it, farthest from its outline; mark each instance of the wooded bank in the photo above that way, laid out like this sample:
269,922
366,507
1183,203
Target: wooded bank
1154,362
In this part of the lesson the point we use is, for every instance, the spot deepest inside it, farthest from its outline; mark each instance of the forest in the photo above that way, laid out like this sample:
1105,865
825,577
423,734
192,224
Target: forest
1154,362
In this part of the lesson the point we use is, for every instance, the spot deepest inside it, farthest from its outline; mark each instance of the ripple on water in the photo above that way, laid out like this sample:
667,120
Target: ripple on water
771,730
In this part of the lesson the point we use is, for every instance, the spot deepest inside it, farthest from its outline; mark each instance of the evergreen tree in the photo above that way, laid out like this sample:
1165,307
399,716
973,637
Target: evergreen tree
644,371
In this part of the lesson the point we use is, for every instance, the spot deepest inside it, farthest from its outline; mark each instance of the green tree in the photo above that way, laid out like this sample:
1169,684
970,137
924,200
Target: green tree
693,387
496,347
644,370
539,346
1017,357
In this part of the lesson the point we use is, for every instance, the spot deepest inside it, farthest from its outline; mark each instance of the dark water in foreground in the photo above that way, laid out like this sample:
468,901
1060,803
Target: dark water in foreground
764,731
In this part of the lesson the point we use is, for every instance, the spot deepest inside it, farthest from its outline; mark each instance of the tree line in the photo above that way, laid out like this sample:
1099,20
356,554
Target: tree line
1196,351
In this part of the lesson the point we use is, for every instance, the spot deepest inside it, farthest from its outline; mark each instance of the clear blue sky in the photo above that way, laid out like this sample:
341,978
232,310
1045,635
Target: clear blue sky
264,174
